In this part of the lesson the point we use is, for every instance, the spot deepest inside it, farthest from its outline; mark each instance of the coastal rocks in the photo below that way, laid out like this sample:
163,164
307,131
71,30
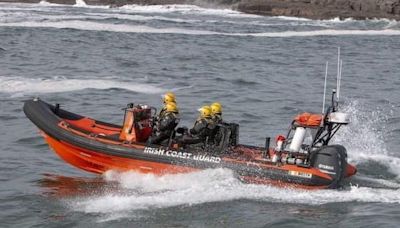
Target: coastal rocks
117,3
314,9
323,9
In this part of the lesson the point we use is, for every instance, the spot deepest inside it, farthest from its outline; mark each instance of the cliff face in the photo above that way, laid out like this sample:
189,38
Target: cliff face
314,9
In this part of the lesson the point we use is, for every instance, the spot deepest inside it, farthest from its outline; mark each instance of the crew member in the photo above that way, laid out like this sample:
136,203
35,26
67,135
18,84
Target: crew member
216,112
216,116
204,126
165,124
168,97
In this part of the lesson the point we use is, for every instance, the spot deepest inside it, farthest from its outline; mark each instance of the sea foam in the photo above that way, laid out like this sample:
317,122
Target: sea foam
19,86
98,26
149,192
185,9
80,3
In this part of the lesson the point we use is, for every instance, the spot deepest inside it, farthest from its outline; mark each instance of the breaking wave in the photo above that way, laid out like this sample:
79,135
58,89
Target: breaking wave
185,9
97,26
18,86
80,3
144,9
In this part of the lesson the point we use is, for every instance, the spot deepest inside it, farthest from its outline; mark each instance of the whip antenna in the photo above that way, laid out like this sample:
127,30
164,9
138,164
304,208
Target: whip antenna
326,76
339,79
338,74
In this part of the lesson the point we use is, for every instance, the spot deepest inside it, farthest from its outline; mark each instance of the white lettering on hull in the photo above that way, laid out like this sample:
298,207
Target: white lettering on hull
183,155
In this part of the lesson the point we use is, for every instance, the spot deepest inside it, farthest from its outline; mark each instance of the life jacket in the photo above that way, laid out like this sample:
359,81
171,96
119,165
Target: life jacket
308,119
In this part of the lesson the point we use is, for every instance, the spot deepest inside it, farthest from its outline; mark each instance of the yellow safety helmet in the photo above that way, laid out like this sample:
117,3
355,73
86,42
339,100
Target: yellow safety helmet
171,107
216,108
205,111
169,97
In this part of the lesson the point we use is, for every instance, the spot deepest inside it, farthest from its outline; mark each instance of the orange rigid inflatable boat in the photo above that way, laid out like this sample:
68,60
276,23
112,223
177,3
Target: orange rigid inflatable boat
97,147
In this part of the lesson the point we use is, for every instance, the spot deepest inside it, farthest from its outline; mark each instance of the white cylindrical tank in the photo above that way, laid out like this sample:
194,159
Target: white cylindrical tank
298,139
279,144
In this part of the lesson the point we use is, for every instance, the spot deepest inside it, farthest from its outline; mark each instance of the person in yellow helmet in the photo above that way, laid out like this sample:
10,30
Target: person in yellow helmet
168,97
203,127
216,117
216,112
165,124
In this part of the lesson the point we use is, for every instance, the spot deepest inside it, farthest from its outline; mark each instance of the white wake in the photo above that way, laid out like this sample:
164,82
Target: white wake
149,192
19,86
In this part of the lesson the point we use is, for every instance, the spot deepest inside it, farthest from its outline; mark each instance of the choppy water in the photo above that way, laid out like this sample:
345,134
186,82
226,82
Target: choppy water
265,70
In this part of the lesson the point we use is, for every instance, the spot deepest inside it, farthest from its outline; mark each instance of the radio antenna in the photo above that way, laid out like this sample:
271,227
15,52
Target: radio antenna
339,79
338,73
326,76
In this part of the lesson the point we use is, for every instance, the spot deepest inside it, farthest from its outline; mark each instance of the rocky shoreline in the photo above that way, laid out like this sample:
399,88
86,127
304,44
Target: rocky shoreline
313,9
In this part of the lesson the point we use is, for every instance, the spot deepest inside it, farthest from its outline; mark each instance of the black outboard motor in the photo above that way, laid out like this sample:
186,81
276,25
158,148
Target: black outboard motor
331,160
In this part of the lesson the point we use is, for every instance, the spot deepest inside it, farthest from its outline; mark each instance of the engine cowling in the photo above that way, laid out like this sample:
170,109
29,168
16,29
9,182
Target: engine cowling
331,160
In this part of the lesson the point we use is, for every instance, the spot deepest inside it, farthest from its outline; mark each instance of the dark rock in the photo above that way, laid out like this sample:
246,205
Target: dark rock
324,9
67,2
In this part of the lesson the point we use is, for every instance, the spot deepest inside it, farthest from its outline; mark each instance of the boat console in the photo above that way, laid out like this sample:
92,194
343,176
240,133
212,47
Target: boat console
137,125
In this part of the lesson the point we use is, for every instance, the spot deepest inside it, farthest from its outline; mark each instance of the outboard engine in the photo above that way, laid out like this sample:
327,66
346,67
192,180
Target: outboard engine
331,160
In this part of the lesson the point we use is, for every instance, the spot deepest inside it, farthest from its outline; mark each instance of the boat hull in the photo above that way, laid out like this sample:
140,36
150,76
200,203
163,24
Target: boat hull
90,145
99,163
